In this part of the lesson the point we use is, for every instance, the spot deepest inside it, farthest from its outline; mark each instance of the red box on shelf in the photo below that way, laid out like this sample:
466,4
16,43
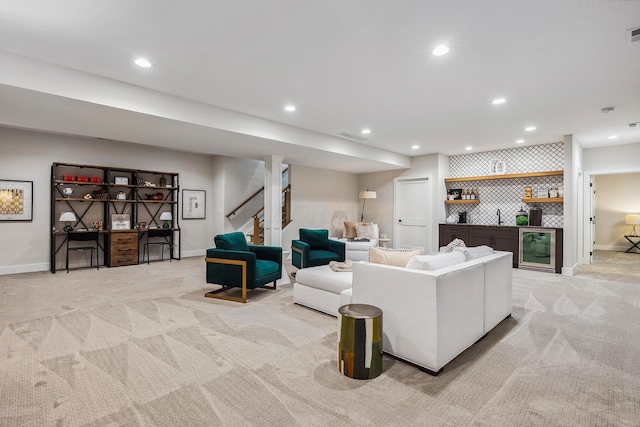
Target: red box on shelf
83,178
68,177
95,180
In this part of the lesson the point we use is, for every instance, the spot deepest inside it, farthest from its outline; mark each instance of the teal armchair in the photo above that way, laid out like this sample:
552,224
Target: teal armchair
315,248
235,264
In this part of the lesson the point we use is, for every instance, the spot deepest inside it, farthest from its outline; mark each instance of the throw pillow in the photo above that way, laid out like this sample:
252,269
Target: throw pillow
235,241
349,229
317,239
475,252
369,231
389,256
454,244
436,262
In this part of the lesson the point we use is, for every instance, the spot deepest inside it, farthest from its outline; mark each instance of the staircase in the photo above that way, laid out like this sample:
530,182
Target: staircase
253,226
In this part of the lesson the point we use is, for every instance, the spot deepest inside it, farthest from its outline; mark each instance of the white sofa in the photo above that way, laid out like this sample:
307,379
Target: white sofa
430,317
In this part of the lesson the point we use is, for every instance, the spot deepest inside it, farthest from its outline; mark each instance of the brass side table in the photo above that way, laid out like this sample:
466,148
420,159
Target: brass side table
360,341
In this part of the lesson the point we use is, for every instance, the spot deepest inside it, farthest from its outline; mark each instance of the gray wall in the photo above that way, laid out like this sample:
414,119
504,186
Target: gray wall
28,156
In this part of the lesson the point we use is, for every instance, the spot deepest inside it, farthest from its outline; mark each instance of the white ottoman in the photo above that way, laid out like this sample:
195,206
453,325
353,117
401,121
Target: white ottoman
322,289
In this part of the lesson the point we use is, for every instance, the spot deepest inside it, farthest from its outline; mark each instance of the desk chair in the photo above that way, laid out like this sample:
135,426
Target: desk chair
85,237
163,237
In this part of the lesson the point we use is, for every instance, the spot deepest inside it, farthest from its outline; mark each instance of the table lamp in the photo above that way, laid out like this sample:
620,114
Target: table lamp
364,195
633,220
67,218
166,217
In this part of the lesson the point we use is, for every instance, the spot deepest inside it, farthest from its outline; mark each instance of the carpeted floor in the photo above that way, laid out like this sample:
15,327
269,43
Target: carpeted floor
141,346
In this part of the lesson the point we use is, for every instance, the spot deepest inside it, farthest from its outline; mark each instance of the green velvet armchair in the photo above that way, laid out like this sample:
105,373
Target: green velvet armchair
315,248
235,264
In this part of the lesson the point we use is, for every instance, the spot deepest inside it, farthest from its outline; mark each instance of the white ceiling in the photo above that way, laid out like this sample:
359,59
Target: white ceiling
346,65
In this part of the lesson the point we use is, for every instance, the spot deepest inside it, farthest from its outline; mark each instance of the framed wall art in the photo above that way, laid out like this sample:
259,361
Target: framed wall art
120,222
193,204
16,200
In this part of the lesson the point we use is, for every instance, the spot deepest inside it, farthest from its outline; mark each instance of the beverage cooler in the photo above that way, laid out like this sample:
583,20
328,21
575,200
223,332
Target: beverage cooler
537,249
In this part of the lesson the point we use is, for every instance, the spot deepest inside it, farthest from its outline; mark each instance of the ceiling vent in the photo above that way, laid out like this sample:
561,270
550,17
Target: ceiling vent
634,35
353,137
634,124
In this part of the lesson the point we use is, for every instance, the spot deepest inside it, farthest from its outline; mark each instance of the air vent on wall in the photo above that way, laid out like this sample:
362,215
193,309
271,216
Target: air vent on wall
634,35
352,136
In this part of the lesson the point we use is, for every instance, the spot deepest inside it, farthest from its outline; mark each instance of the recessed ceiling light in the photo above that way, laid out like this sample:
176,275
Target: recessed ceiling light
290,108
468,148
612,137
141,62
440,50
415,147
498,101
519,141
366,131
530,128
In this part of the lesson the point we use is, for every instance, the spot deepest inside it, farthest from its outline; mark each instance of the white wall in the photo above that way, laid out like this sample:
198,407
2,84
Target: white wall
616,196
381,210
29,155
603,161
320,198
573,196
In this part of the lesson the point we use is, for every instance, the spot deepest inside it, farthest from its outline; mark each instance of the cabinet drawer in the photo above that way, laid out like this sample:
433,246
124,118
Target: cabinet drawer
125,249
124,238
117,260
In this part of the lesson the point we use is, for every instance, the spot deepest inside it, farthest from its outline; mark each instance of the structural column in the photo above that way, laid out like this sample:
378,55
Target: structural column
272,200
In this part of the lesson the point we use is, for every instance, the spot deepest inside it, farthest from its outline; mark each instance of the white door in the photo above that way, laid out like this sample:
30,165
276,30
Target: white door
412,201
592,217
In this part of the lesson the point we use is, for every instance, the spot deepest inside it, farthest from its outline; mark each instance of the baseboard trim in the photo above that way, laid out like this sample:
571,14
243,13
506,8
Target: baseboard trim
569,271
614,248
24,268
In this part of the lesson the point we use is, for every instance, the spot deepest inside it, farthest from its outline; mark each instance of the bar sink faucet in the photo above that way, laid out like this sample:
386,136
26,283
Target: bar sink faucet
499,219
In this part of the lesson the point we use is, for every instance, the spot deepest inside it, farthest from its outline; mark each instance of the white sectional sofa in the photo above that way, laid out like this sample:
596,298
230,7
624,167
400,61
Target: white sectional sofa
429,317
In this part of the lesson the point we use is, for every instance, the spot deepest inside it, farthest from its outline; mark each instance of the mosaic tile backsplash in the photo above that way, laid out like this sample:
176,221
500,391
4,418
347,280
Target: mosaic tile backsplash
507,194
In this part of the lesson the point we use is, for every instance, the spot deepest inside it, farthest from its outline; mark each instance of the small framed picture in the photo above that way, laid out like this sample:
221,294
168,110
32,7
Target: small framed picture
120,222
456,193
497,167
16,200
193,204
122,180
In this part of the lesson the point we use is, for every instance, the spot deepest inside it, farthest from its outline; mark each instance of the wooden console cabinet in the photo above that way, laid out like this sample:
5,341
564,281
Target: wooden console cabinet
501,238
122,248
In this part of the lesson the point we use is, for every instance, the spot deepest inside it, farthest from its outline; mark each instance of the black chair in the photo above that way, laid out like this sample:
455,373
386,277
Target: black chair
163,237
85,237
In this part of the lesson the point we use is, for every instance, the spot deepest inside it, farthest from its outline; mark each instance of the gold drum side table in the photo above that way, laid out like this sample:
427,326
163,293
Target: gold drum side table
360,341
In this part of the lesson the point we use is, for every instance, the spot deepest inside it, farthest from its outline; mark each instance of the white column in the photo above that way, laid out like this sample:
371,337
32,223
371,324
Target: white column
272,200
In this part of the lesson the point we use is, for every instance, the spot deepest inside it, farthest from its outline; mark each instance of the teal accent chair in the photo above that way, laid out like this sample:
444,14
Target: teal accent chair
235,264
315,248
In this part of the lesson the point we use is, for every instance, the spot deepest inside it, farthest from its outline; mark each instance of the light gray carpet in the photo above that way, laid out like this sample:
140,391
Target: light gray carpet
141,346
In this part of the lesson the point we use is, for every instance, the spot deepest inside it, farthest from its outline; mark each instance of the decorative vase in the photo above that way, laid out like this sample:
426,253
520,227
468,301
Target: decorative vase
163,181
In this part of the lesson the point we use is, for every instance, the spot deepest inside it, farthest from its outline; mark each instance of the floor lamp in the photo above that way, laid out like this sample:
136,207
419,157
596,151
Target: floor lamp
364,195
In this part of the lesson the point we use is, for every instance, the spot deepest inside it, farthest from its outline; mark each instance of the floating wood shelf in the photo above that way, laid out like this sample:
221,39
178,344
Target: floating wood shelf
546,200
506,176
460,202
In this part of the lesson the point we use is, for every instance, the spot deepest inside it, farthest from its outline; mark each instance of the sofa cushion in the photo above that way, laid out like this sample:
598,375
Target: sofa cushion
317,239
367,231
436,262
349,229
397,257
455,243
475,252
235,241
